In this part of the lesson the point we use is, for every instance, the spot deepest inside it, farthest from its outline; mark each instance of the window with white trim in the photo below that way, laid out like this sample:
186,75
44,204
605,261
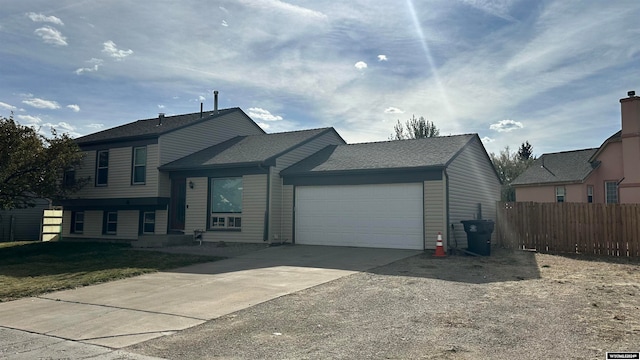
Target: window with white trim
226,203
560,193
102,167
611,192
77,222
110,222
589,193
139,166
149,222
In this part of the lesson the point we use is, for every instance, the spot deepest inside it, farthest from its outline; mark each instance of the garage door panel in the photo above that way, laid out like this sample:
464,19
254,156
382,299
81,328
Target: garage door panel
388,216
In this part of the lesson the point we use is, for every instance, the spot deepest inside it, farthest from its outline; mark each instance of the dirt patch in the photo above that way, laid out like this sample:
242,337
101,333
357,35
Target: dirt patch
509,305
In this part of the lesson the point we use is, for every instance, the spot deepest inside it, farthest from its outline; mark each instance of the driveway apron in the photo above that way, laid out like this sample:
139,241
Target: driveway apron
125,312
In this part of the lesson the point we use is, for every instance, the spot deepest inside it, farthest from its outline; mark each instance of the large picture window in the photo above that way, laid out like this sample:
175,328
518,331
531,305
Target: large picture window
139,165
102,168
226,203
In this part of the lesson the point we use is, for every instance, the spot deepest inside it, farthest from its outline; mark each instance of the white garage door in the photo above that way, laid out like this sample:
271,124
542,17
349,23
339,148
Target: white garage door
384,216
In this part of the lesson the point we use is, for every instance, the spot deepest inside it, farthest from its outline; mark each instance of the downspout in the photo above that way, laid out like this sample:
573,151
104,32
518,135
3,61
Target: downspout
446,177
265,235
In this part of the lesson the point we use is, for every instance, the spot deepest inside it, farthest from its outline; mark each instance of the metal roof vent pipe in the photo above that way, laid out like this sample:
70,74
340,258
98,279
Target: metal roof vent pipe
160,118
215,101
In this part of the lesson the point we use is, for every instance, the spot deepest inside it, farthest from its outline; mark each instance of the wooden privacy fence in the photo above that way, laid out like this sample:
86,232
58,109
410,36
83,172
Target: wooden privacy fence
577,228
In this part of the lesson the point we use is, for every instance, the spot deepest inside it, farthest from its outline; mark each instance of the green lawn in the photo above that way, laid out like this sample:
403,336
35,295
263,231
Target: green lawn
28,268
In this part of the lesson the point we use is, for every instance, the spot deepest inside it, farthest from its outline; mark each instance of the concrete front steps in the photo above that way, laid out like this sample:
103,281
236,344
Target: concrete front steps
156,241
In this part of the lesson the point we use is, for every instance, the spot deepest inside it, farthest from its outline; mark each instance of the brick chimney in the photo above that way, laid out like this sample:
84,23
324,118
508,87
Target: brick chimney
629,188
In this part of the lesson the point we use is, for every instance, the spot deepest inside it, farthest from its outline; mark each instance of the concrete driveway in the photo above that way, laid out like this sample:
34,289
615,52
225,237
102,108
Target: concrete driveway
130,311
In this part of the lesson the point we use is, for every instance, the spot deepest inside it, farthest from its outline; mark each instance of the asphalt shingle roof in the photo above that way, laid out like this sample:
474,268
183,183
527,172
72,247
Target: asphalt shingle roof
568,166
149,128
245,150
402,154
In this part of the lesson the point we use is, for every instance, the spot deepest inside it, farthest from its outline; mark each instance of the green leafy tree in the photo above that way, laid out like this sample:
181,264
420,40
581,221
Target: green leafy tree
509,165
32,165
414,128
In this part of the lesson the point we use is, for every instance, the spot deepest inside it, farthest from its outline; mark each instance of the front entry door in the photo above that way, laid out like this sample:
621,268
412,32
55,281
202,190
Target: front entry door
178,203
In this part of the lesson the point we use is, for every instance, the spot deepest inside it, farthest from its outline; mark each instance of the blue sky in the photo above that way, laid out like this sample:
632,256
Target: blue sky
550,72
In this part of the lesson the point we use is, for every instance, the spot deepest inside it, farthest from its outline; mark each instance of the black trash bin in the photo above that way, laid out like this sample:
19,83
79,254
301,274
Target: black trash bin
479,235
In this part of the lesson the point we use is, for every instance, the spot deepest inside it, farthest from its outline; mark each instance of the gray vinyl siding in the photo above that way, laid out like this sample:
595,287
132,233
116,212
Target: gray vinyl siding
119,175
127,228
162,219
164,185
275,206
287,213
472,181
435,212
308,149
254,205
180,143
24,223
128,223
66,223
196,211
92,225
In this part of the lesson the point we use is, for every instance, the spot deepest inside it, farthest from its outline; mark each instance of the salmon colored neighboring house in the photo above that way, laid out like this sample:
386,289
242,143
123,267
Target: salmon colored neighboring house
608,174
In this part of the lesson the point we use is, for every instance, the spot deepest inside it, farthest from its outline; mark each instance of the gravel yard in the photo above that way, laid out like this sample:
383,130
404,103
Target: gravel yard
510,305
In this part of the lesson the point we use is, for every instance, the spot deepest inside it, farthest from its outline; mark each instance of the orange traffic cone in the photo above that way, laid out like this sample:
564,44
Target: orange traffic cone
439,247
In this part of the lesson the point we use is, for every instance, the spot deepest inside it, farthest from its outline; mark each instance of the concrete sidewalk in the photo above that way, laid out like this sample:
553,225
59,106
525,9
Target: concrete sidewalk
125,312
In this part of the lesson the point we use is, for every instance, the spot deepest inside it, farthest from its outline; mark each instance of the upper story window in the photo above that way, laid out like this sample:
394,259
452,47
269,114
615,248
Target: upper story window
611,192
139,166
589,193
69,178
560,194
226,203
102,167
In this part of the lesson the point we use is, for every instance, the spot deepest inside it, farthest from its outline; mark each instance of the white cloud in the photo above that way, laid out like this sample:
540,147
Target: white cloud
382,57
361,65
96,126
74,107
111,49
7,106
393,110
201,98
224,23
41,103
487,140
43,18
96,65
286,8
160,106
32,120
262,114
51,36
506,125
263,125
61,127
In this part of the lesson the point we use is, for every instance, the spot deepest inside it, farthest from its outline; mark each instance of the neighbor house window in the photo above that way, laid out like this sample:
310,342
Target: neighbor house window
611,192
102,168
560,194
226,203
69,178
590,193
110,222
139,165
149,222
77,222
